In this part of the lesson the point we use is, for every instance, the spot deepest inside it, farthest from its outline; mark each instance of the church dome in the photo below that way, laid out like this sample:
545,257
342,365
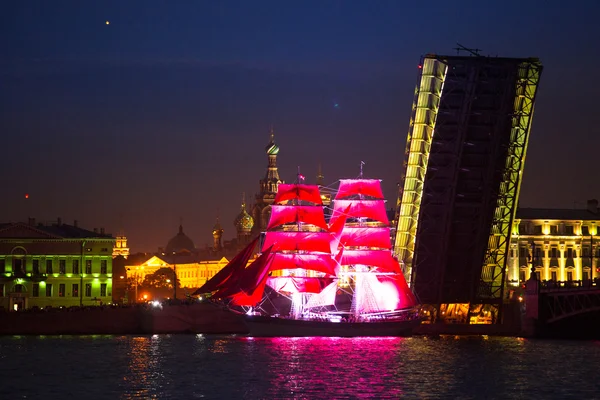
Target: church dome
272,149
179,242
244,221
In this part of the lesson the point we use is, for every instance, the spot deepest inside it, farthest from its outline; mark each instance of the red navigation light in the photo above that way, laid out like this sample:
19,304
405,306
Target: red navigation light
26,195
420,66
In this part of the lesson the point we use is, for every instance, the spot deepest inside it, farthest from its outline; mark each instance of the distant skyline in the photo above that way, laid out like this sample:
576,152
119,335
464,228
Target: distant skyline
165,113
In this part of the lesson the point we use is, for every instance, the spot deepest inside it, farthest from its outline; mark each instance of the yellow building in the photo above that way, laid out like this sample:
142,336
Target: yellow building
191,273
54,265
562,245
120,248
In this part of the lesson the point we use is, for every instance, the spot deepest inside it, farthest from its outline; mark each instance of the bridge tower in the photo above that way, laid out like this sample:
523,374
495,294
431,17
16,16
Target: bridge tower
463,166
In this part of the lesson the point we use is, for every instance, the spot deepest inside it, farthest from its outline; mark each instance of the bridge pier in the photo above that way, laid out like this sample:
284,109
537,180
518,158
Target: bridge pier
530,320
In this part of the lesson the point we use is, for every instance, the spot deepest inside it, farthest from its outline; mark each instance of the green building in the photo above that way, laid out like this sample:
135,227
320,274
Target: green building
54,265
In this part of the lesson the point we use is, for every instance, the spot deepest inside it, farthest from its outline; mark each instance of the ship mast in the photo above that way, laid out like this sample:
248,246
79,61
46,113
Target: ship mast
298,299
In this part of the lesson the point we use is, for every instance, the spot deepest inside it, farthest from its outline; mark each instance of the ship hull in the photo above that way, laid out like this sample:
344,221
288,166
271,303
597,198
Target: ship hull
264,326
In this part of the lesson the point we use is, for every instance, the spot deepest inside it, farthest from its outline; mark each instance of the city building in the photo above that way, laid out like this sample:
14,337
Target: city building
121,248
562,245
191,272
459,191
54,265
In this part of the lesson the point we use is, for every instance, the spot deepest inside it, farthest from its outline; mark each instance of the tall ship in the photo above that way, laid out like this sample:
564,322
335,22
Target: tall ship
315,277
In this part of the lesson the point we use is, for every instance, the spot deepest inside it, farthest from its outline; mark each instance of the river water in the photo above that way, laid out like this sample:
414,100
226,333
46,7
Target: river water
233,367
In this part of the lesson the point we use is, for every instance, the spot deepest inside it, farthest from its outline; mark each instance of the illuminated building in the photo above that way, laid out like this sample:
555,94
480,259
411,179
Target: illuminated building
464,160
54,265
562,244
121,248
261,210
191,272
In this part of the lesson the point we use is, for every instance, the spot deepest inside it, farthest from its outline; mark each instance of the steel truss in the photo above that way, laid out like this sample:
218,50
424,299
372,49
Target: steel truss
460,188
418,144
558,305
493,279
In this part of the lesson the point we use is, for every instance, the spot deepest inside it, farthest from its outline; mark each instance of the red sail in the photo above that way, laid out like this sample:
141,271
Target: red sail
249,279
382,259
287,214
366,236
366,187
294,240
300,192
251,299
295,284
236,265
372,209
396,292
312,262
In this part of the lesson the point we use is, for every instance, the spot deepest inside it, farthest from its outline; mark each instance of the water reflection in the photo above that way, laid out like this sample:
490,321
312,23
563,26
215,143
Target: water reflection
229,367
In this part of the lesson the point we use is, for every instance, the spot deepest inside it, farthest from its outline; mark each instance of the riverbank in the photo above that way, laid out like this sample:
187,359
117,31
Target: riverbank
203,318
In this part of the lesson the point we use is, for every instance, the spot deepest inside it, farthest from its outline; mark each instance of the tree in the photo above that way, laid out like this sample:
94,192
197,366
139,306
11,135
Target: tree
159,285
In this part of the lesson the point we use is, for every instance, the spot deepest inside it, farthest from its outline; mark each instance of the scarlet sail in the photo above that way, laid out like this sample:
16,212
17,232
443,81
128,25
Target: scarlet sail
309,262
380,259
371,209
236,265
292,284
366,236
298,240
281,215
300,192
362,187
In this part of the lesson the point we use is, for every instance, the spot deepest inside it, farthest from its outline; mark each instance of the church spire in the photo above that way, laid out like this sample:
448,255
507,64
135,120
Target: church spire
320,177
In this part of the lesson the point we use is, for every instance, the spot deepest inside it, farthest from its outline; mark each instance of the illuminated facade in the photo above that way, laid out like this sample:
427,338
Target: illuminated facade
191,273
121,248
464,159
561,244
54,265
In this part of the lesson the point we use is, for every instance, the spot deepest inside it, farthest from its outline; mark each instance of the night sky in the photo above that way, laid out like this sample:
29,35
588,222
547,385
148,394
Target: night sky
165,113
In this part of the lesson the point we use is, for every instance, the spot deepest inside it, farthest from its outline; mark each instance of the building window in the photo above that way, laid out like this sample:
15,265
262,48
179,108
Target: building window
523,252
1,289
569,276
522,276
538,275
104,249
75,267
538,253
585,230
62,267
554,229
48,266
569,252
554,252
88,266
88,290
61,290
2,266
586,275
585,252
35,291
102,289
35,265
103,268
75,290
537,230
523,229
48,290
569,230
554,278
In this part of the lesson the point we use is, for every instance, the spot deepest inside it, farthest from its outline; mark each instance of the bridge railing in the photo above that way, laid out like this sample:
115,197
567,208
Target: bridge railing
550,286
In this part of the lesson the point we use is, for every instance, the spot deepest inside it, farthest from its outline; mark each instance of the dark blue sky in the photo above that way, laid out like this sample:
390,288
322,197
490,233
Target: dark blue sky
165,112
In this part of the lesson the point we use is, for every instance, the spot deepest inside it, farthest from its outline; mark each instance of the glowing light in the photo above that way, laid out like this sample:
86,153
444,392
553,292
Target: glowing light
26,195
520,298
107,22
